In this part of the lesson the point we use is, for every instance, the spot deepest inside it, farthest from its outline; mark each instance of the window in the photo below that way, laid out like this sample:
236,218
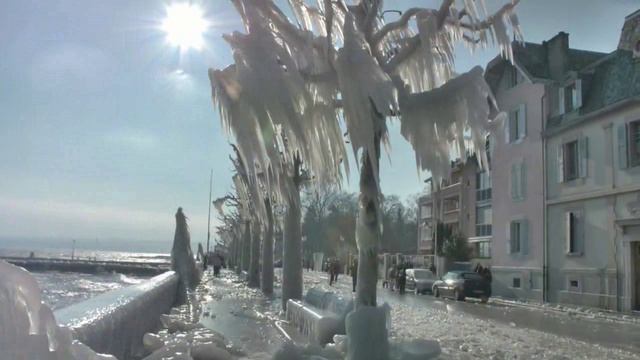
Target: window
425,211
629,144
518,181
572,160
484,249
515,283
574,232
483,186
427,233
451,204
483,220
514,76
516,128
574,285
634,143
517,233
570,97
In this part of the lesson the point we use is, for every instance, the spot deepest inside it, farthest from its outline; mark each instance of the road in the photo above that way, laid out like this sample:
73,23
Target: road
468,330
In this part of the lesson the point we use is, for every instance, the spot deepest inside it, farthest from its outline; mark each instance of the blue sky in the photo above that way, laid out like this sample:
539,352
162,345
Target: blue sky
105,129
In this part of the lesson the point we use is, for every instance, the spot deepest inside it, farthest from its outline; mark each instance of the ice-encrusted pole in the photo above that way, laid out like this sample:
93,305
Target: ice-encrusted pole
292,246
182,261
267,251
254,264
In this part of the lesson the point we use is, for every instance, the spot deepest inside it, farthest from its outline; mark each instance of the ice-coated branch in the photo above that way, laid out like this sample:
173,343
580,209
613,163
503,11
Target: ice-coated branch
395,25
373,12
490,21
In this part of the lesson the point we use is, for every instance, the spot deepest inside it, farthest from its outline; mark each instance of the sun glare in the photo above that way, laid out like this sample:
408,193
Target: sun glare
185,26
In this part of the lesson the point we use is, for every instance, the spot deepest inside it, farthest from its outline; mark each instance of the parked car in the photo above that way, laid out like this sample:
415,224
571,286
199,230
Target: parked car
462,284
420,280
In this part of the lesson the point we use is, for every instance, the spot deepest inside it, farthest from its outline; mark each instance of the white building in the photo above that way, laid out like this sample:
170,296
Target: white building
593,180
517,168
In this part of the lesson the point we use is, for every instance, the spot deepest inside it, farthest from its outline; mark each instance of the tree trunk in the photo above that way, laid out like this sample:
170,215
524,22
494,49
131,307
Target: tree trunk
367,235
254,265
245,246
292,257
267,252
366,326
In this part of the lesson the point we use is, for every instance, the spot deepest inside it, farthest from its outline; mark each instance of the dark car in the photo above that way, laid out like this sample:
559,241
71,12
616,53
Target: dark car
462,284
420,280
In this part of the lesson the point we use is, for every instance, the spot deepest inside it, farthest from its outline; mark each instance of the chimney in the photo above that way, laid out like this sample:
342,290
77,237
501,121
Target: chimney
630,34
557,49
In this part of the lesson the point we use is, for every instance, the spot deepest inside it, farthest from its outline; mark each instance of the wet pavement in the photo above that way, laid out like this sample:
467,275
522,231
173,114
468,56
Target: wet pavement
244,316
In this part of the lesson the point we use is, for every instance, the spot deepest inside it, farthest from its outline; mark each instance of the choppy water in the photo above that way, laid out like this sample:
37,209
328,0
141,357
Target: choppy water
61,289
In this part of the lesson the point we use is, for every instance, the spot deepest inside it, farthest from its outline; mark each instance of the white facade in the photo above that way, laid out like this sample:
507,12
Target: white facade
594,217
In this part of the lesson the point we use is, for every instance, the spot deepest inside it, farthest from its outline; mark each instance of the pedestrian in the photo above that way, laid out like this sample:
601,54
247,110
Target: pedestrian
216,261
331,268
336,263
433,269
354,273
402,279
391,278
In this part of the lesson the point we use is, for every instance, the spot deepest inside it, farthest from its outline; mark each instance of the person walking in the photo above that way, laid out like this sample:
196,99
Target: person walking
331,267
392,278
402,279
354,273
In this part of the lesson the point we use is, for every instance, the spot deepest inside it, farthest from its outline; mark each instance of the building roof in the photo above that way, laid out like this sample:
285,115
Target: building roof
615,78
533,59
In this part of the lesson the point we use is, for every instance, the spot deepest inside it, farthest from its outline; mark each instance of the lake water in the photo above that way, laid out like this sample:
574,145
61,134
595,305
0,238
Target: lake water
61,289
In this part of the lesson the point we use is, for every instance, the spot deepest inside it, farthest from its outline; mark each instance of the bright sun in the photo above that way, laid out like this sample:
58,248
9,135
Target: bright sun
185,26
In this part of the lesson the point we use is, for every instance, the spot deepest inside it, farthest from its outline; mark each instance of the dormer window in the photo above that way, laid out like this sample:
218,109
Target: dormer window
570,97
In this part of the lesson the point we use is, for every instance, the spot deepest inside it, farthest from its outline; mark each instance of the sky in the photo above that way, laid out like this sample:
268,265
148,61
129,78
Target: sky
106,128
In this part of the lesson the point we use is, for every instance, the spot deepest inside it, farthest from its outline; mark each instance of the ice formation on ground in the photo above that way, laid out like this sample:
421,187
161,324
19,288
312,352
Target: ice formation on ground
462,336
28,329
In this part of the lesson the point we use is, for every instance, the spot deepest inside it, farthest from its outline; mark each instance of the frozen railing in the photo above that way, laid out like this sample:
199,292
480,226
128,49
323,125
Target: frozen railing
114,322
319,327
330,302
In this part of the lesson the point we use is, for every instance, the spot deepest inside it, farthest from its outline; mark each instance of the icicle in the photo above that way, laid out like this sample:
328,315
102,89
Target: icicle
436,120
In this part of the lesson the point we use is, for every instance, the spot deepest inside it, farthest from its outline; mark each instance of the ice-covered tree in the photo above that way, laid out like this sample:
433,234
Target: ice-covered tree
295,77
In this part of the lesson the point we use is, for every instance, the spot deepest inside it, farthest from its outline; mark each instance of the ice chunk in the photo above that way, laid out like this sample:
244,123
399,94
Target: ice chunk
28,329
368,334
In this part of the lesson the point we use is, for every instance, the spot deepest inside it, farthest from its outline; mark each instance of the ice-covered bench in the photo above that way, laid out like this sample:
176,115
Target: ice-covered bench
320,316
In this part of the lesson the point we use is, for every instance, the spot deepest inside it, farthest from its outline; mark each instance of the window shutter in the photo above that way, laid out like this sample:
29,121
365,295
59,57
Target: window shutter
579,221
560,164
507,129
567,232
508,238
523,180
524,236
583,149
623,152
578,99
522,121
514,182
561,100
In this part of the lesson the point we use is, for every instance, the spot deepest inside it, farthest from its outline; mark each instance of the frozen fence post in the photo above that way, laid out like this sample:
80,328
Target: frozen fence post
182,260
